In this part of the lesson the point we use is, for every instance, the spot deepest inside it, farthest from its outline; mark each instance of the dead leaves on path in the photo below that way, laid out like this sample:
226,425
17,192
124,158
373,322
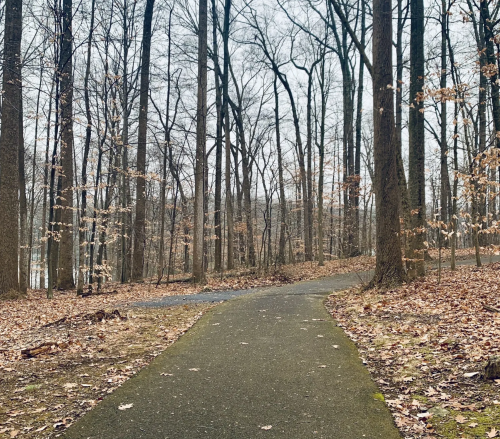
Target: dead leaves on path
425,344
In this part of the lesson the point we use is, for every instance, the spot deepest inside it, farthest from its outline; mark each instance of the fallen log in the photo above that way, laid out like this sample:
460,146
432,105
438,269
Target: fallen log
43,348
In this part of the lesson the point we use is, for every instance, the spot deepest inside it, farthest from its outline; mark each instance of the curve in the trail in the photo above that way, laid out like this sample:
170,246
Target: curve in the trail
267,365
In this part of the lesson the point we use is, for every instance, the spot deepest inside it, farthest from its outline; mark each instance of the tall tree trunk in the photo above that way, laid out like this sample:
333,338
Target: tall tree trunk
445,177
201,130
321,148
88,136
23,207
33,177
140,209
43,267
52,243
403,188
9,136
357,158
416,175
218,148
65,273
281,184
389,266
227,139
166,149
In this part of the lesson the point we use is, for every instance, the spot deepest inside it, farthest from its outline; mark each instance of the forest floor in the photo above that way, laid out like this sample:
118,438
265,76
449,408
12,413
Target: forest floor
59,357
426,345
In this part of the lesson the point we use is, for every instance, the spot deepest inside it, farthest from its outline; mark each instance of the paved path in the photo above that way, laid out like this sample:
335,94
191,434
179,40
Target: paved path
272,358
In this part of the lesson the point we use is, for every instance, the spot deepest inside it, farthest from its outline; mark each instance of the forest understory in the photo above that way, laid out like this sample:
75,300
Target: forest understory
60,357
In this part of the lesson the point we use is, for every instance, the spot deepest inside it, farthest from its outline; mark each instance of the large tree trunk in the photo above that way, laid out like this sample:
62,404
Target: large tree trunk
65,278
9,139
416,175
389,266
140,208
201,130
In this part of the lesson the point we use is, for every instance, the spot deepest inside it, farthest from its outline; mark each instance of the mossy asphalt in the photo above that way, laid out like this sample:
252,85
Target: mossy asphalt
271,364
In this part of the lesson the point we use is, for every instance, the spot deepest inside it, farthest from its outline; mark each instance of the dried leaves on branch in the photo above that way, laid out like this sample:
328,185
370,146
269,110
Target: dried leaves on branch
427,344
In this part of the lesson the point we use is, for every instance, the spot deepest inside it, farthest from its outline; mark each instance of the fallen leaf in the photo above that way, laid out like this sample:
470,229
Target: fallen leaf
430,391
266,427
470,374
195,369
460,419
125,406
14,433
473,425
424,415
492,433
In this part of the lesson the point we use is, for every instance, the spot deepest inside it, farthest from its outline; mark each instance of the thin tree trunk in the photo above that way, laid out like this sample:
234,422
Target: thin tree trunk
227,138
33,176
201,129
166,149
23,207
218,148
283,210
88,136
140,209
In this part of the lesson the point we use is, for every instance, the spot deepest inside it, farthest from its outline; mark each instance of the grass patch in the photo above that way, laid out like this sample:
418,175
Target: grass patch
485,419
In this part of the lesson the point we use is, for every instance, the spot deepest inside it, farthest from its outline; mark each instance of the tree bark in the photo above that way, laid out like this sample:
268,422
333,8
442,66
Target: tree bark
218,148
140,208
86,150
201,130
389,267
9,139
416,127
65,278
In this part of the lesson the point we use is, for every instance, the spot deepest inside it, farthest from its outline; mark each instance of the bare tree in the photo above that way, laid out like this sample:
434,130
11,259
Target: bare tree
140,209
9,141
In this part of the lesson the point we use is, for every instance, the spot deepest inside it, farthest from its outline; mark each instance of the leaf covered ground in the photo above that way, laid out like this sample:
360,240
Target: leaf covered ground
426,345
60,357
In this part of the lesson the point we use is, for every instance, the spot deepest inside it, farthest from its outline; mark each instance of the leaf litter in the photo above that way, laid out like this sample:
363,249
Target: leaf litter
426,345
60,357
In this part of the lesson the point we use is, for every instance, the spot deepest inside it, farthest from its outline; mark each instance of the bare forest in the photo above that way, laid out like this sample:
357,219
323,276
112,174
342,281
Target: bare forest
144,139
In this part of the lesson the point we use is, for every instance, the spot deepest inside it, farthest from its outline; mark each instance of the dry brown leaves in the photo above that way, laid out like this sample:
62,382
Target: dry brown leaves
81,357
424,343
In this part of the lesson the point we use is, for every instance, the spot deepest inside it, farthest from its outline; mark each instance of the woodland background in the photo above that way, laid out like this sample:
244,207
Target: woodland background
101,149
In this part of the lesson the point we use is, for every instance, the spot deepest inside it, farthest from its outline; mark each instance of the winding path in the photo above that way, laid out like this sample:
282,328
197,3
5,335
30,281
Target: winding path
270,364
